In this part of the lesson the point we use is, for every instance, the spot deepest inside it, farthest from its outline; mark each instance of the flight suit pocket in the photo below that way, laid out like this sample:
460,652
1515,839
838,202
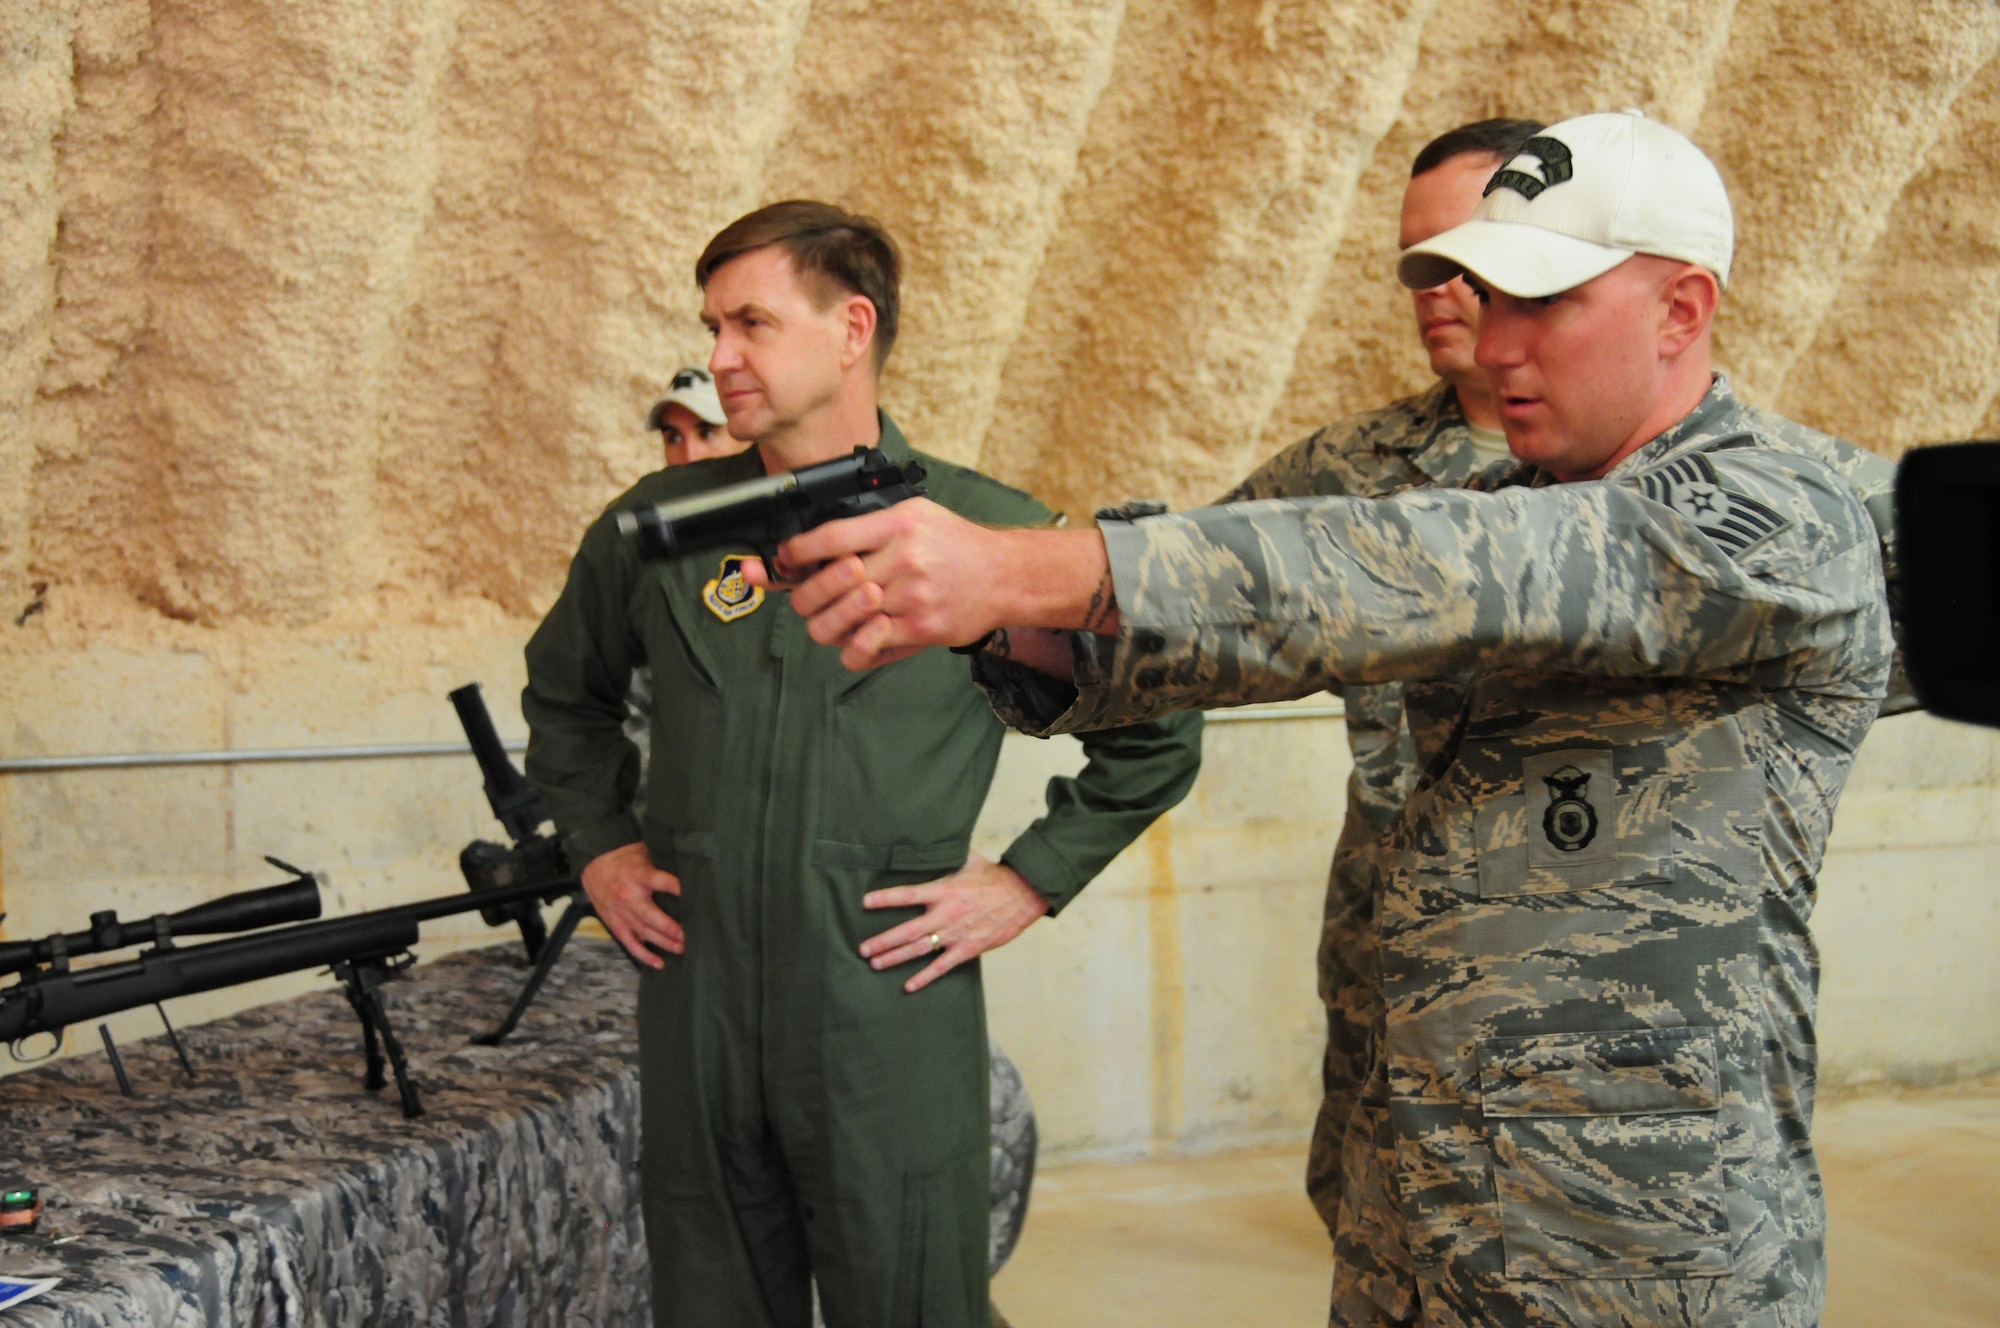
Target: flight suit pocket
1585,818
668,846
852,870
682,852
942,857
1606,1153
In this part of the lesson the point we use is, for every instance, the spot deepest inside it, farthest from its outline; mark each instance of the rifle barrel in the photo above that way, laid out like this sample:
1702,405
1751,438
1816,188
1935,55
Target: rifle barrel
499,896
42,1003
47,1003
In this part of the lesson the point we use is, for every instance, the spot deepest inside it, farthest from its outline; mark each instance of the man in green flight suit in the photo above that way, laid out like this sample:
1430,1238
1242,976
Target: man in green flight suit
813,1061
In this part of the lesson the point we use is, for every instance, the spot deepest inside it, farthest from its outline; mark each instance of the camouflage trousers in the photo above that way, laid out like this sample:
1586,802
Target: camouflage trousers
1377,1283
1355,1177
1350,987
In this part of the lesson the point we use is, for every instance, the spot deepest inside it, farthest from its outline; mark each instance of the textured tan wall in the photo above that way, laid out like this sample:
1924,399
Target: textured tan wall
326,324
331,313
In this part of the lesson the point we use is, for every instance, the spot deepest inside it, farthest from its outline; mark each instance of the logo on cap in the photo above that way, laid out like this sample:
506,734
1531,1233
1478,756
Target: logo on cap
1557,165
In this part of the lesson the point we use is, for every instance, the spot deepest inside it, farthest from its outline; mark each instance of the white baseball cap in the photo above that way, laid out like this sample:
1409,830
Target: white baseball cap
1577,200
693,388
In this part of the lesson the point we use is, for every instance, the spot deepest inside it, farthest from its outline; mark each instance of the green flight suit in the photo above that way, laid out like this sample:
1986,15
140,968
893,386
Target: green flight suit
801,1113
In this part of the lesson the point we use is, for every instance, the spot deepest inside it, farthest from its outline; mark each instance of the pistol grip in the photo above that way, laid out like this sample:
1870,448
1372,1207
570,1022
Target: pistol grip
767,553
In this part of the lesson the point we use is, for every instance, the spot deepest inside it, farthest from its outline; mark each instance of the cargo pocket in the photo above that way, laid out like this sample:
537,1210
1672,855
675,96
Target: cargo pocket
855,869
940,858
941,1254
1606,1153
685,853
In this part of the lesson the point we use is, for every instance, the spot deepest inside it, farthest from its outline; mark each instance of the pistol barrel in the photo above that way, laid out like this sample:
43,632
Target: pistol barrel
766,511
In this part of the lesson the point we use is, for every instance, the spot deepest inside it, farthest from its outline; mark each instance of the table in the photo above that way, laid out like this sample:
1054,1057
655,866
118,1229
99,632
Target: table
277,1191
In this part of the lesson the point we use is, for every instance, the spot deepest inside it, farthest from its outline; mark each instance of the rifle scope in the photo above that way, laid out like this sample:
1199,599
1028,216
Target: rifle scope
50,1003
297,900
512,798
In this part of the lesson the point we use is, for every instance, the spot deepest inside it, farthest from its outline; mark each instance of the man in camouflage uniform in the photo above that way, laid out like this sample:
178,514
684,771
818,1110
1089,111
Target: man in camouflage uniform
1636,673
1445,435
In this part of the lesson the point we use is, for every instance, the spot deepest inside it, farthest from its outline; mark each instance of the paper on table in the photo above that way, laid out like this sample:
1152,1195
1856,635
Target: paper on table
14,1290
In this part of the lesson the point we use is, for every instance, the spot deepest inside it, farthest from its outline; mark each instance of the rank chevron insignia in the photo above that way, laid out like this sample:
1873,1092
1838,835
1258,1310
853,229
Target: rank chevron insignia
1734,520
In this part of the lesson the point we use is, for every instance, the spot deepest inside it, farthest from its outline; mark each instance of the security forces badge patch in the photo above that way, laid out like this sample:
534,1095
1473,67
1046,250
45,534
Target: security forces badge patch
1569,821
729,596
1689,485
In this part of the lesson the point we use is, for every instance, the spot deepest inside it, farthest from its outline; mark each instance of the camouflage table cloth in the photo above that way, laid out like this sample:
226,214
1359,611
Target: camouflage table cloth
276,1191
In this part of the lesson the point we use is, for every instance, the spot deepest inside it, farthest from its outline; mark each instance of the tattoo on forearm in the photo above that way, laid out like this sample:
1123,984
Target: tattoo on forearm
1103,603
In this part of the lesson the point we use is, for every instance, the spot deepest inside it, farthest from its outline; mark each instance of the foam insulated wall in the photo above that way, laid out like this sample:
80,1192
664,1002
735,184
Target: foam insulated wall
325,311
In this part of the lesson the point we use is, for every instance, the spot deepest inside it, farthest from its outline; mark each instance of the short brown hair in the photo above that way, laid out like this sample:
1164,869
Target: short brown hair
827,244
1500,138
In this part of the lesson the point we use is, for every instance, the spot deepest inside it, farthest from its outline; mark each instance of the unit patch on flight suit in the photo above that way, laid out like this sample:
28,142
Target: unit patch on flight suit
1735,521
729,596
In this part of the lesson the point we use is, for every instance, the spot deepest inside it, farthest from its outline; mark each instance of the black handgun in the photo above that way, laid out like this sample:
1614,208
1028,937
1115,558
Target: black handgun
764,513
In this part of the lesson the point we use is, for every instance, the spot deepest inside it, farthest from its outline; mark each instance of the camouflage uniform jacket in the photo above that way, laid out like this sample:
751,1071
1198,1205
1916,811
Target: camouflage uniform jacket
1424,440
1873,479
1634,704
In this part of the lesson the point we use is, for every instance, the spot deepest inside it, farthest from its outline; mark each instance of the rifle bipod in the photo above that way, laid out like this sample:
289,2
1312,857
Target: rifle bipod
551,950
361,980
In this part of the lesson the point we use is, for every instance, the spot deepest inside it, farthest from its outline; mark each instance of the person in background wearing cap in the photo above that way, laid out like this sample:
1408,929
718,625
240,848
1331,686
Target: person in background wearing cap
1636,671
690,420
1445,434
802,893
692,427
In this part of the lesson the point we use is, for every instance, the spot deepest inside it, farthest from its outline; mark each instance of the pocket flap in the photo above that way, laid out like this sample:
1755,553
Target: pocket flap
1600,1074
944,855
668,846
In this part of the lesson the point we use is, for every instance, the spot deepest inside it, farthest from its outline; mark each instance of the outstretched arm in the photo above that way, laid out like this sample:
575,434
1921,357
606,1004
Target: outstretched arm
916,575
1267,600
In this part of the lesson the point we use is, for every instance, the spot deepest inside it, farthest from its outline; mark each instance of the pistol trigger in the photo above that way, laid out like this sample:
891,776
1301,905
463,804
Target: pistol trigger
768,555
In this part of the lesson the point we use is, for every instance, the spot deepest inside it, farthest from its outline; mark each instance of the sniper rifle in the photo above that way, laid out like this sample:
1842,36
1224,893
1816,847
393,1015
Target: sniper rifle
365,950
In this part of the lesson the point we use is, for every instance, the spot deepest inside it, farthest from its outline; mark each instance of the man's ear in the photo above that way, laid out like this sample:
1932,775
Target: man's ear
857,314
1688,307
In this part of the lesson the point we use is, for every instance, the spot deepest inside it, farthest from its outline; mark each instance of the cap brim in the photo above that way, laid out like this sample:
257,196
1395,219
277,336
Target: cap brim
707,412
1522,260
